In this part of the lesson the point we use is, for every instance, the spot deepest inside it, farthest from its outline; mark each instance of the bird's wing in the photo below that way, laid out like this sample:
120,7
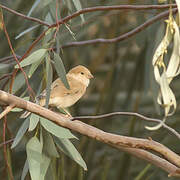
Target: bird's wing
59,90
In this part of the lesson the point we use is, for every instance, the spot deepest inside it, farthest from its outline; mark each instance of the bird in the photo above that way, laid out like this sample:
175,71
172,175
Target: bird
61,97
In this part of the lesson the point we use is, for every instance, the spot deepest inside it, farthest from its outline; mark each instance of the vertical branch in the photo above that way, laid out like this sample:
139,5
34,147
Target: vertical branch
14,55
9,171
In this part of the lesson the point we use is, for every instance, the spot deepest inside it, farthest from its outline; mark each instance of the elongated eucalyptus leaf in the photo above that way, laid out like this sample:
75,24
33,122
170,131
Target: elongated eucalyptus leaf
33,7
44,166
55,129
16,110
26,31
21,132
59,66
34,57
33,67
34,119
25,170
78,6
49,147
173,68
162,47
46,2
49,77
34,157
1,19
68,148
167,95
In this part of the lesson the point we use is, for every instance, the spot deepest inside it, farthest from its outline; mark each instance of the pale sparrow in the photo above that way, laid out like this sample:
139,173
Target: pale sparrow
61,97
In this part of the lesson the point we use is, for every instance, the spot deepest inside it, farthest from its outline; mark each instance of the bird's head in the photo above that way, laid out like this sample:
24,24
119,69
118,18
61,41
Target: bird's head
81,73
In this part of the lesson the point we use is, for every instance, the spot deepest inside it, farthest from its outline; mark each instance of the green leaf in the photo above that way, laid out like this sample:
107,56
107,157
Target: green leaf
34,119
55,129
59,66
46,2
33,7
44,166
5,68
34,57
21,132
33,67
78,6
68,148
49,78
26,31
34,151
49,146
25,170
16,110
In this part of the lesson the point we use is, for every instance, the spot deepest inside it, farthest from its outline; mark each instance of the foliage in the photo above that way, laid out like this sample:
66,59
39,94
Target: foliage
124,81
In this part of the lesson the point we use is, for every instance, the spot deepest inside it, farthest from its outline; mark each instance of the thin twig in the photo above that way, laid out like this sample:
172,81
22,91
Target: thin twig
7,142
25,55
31,92
9,171
173,131
6,110
110,8
25,17
125,35
5,76
8,58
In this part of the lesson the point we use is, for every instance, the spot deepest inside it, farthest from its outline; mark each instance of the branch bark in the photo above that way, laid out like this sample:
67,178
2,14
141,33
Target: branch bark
170,161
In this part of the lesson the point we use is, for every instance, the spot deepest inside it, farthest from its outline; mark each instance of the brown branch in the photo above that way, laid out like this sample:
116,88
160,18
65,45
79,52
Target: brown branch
173,131
9,171
7,110
7,142
31,93
25,17
8,58
125,35
5,76
110,8
136,146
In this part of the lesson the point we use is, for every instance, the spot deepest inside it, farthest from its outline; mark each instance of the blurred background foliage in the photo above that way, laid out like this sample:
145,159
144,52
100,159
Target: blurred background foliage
123,81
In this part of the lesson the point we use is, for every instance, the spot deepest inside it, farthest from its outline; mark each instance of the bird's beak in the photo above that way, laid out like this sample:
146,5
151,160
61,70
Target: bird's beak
90,76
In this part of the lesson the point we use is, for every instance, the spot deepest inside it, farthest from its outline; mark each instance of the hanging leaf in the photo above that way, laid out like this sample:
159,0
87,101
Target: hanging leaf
16,110
33,67
59,66
25,170
34,157
26,31
168,97
34,119
173,68
44,166
68,148
49,147
34,57
33,7
21,132
78,6
55,129
49,78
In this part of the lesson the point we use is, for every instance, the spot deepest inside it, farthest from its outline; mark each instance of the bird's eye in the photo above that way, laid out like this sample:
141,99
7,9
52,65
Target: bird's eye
82,73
